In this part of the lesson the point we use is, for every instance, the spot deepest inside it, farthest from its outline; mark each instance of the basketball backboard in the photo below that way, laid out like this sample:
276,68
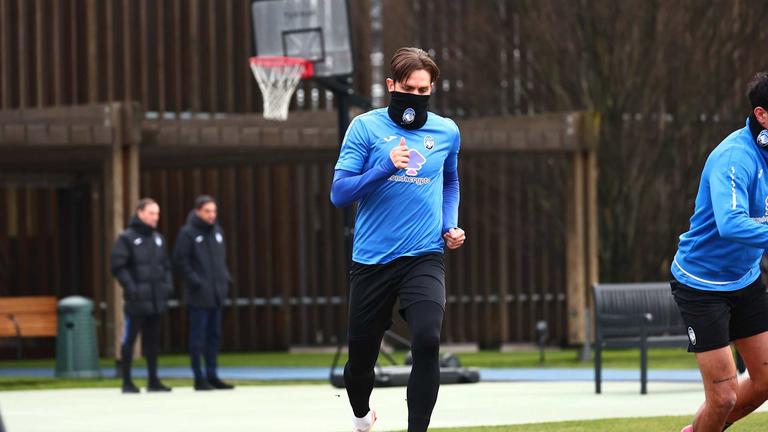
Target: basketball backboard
316,30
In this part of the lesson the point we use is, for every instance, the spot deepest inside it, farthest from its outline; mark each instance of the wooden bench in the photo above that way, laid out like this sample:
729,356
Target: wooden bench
27,317
636,315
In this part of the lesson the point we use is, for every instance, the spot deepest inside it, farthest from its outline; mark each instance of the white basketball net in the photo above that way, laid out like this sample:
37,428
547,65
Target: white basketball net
277,82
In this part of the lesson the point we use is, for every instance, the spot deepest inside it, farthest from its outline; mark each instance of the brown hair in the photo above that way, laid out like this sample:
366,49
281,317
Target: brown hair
144,202
408,59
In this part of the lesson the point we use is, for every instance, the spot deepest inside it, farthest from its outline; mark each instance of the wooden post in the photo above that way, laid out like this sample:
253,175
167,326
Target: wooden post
592,219
121,192
590,130
574,253
582,263
113,223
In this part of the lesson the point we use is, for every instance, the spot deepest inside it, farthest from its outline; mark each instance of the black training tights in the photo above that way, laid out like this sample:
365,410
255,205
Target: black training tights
425,320
149,326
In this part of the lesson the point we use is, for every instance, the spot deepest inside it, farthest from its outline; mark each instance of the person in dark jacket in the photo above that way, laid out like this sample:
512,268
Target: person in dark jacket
199,255
141,265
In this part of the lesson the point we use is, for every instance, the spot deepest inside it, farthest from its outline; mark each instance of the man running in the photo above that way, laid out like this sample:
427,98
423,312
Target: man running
716,271
400,163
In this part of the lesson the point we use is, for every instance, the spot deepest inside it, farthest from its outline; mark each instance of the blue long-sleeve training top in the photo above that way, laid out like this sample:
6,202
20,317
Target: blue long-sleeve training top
728,234
402,212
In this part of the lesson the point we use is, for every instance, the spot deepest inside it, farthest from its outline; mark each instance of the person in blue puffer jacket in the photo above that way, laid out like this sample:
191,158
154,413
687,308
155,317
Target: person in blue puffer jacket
716,270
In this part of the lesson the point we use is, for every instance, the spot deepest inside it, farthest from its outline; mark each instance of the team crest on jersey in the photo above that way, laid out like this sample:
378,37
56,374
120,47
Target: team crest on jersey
219,238
409,116
692,335
159,241
138,241
762,139
199,239
429,142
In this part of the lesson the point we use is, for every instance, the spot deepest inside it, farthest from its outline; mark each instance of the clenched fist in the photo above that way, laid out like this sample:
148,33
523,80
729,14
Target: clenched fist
454,238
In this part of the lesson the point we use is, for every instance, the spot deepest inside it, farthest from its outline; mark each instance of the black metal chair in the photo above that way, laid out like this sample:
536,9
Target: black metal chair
635,315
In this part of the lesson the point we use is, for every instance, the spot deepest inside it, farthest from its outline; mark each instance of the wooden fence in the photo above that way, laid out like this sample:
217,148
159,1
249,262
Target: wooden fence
527,205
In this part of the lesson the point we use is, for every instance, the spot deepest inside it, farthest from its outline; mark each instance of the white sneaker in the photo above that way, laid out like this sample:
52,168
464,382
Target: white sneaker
364,424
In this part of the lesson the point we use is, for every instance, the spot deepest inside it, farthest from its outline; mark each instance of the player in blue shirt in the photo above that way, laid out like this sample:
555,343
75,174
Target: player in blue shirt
716,270
401,164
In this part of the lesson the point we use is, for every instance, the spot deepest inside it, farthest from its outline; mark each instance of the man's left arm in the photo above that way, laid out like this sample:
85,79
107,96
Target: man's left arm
452,234
223,251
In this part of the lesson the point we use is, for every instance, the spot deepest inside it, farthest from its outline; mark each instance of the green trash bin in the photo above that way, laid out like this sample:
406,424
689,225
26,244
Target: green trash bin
77,355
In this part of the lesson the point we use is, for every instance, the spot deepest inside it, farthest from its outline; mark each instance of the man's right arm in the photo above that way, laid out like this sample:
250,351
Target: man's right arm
350,183
349,187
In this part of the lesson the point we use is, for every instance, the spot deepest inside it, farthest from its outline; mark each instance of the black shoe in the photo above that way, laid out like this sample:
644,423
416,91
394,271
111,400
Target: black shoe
220,385
130,387
203,385
158,387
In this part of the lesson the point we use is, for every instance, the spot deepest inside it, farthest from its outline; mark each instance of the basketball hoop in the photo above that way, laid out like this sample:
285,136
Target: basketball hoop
278,77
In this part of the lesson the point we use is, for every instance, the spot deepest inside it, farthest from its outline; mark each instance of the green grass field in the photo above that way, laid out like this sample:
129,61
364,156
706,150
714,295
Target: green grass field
661,358
757,422
622,359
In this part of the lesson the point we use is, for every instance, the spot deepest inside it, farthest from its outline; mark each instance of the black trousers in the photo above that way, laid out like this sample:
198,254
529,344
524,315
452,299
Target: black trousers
419,283
149,327
204,339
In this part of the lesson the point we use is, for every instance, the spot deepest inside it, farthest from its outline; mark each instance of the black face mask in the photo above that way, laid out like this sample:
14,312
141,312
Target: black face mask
408,110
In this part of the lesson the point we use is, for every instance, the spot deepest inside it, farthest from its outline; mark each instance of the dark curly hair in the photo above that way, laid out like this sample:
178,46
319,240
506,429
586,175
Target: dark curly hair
757,90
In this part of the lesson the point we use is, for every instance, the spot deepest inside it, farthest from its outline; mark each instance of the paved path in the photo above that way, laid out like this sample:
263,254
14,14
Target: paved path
323,408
